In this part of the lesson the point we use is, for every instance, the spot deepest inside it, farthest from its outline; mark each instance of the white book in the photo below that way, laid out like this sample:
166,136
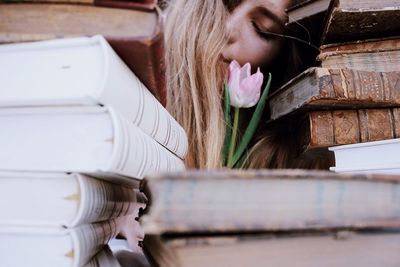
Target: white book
92,140
59,199
55,247
104,258
377,156
83,71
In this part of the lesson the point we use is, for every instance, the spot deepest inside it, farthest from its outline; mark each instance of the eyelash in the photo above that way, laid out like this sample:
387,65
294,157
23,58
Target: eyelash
263,34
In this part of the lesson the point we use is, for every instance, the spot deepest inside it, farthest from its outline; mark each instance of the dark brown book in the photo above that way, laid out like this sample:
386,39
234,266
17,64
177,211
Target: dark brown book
333,248
136,36
306,8
350,20
322,88
323,129
368,55
132,4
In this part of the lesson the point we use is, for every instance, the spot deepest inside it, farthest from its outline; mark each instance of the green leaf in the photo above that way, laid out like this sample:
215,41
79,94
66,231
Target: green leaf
228,126
255,120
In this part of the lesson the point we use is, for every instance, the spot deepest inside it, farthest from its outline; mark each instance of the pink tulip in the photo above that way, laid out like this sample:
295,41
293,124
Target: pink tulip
244,88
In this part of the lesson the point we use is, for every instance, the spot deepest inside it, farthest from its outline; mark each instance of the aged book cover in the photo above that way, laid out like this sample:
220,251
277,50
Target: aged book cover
322,129
136,36
369,55
323,88
267,200
329,248
350,20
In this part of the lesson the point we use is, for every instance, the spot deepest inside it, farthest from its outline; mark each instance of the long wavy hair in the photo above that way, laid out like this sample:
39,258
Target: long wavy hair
195,36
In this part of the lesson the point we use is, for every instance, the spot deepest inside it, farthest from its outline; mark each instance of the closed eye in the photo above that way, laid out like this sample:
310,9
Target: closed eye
265,34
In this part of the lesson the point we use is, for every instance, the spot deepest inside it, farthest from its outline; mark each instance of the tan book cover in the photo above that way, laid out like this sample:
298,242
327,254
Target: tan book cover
323,88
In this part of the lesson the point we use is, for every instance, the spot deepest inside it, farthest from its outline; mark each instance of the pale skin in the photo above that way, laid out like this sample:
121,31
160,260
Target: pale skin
247,25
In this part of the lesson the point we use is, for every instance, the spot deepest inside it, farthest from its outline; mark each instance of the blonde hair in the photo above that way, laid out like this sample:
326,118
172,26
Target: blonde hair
195,36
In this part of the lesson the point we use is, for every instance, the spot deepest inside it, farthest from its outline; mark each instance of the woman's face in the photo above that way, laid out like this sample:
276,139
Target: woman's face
245,26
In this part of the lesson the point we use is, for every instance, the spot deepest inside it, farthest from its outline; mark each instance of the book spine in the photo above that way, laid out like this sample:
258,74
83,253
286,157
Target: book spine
136,154
100,201
341,127
88,239
142,107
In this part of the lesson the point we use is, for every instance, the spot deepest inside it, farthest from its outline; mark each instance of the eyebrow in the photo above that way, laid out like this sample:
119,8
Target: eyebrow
268,13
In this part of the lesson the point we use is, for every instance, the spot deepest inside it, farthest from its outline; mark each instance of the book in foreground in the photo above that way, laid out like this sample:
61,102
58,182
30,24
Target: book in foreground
344,248
55,246
320,130
380,55
371,157
136,36
59,199
350,20
93,140
83,71
322,88
267,200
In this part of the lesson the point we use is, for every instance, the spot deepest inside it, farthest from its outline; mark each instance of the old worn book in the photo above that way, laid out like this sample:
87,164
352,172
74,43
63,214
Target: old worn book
370,157
368,55
83,72
136,36
60,199
319,130
329,249
93,140
323,88
268,200
306,8
132,4
55,246
350,20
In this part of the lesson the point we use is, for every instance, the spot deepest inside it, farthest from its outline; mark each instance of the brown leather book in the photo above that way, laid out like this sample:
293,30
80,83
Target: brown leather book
133,4
368,55
323,129
136,36
350,20
322,88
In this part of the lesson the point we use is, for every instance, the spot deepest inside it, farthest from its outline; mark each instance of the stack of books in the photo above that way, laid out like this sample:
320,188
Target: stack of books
272,218
352,95
79,132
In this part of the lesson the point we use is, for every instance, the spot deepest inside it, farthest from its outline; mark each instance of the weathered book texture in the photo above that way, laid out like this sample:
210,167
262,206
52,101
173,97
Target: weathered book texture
350,20
136,36
268,200
323,129
131,4
368,55
343,248
306,8
322,88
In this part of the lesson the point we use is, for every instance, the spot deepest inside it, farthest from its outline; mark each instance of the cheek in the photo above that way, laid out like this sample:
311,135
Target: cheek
259,53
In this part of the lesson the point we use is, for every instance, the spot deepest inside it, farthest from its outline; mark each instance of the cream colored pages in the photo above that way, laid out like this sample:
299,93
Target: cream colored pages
84,71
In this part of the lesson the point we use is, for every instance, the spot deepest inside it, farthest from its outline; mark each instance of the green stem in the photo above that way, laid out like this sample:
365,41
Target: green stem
233,138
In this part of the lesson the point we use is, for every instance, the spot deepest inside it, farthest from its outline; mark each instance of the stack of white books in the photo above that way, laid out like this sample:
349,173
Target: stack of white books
78,133
369,157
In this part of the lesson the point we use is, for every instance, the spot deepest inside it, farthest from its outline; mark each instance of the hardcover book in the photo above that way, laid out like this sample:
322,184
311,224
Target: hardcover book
351,20
328,248
136,36
381,55
268,200
55,246
92,140
320,130
83,72
322,88
371,157
60,199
